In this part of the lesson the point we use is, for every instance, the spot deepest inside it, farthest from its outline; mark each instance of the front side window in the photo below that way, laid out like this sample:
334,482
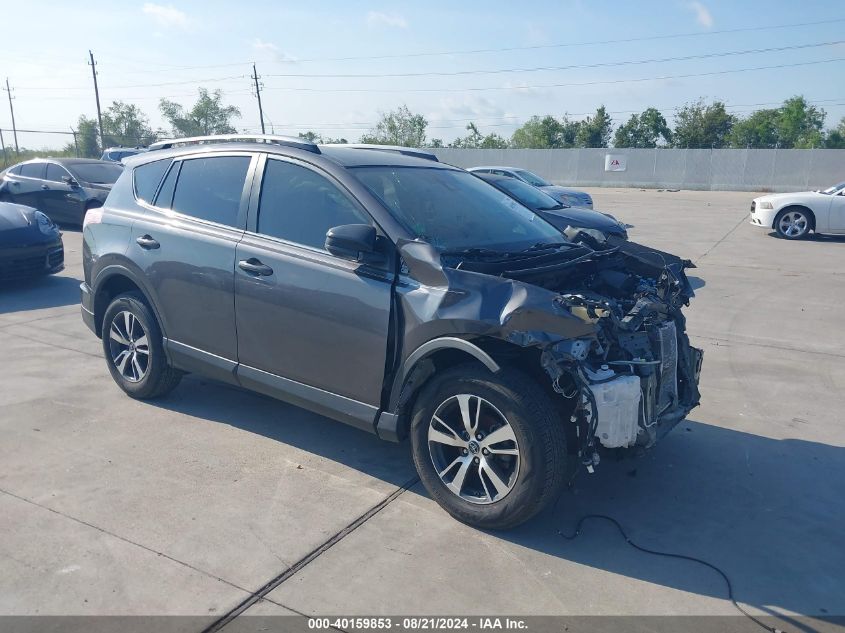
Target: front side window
32,170
211,188
530,196
454,210
56,173
531,178
299,205
147,177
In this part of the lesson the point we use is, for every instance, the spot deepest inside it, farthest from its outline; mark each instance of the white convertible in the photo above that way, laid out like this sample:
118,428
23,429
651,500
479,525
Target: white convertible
794,215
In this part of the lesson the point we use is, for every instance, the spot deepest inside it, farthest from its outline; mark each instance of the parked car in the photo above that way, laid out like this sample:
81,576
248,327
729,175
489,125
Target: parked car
397,294
570,197
30,243
794,215
63,188
117,154
568,220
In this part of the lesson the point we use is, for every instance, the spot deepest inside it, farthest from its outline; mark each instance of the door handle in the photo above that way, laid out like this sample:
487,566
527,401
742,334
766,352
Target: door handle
254,266
148,243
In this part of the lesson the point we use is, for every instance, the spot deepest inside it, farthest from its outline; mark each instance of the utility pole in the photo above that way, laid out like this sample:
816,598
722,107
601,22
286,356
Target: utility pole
75,142
97,96
12,110
258,95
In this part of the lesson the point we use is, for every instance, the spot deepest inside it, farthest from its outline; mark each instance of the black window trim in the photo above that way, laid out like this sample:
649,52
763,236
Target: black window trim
246,192
255,199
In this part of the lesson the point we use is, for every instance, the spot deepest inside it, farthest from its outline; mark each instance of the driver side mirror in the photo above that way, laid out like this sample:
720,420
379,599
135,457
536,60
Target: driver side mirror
350,240
69,180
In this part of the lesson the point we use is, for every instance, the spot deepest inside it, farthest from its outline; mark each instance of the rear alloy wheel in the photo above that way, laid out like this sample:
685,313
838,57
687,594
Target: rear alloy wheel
489,448
132,345
792,224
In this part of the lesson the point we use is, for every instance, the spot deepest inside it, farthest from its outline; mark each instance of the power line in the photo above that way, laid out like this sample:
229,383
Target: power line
559,85
658,60
573,44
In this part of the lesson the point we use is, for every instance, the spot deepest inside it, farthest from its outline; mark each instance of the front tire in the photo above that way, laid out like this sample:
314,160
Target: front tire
489,448
793,223
132,345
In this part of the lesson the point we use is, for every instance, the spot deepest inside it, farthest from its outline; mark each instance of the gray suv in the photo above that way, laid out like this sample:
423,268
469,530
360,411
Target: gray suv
405,297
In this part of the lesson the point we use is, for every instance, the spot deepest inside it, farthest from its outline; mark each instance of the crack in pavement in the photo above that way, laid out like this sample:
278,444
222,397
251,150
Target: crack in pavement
724,237
336,538
55,345
766,345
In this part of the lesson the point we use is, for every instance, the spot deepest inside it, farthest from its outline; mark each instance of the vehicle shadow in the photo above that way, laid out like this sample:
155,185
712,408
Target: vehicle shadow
814,238
696,282
768,512
50,291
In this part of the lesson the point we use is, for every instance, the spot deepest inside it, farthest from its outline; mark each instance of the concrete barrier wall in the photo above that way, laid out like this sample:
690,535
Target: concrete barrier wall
717,169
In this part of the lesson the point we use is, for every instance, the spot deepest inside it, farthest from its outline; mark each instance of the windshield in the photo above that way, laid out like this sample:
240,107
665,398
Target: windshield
454,210
531,178
832,190
96,173
530,196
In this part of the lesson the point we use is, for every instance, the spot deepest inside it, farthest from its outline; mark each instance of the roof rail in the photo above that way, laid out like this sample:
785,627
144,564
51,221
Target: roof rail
398,149
287,141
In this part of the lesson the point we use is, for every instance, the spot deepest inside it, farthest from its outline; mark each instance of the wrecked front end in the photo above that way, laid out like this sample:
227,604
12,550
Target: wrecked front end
608,326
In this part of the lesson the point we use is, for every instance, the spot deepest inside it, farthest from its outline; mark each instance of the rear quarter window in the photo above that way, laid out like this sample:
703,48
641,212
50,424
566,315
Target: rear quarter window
32,170
147,177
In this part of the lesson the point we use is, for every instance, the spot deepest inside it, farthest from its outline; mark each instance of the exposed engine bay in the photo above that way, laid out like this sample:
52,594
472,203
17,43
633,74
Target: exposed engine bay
613,341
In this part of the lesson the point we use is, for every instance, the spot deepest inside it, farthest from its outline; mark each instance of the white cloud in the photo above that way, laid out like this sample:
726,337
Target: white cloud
377,18
166,16
702,14
272,50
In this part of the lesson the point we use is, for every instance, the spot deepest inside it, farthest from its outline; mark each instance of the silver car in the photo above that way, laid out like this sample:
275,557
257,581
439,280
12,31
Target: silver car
570,197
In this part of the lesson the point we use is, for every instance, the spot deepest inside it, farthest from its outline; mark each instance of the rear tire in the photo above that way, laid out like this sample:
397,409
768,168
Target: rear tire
132,345
509,474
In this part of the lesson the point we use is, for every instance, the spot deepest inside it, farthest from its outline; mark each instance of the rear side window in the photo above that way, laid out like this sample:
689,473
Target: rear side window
211,188
147,177
300,206
15,170
32,170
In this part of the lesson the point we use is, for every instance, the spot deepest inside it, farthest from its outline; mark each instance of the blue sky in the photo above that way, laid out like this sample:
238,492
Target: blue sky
139,44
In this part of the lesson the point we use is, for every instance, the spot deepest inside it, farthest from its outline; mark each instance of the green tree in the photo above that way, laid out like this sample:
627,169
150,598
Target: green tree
647,129
594,131
538,133
758,130
311,137
836,137
398,127
86,139
800,124
476,140
702,126
436,143
328,140
207,116
125,124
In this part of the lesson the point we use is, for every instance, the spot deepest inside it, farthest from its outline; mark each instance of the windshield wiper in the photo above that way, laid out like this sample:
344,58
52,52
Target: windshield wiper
543,246
557,207
475,251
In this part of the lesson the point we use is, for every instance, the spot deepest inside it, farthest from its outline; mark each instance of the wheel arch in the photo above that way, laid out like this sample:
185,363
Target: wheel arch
112,281
797,206
443,352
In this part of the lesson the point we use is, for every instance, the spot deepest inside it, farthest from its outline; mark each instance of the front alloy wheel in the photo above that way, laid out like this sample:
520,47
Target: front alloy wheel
489,448
473,449
792,224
